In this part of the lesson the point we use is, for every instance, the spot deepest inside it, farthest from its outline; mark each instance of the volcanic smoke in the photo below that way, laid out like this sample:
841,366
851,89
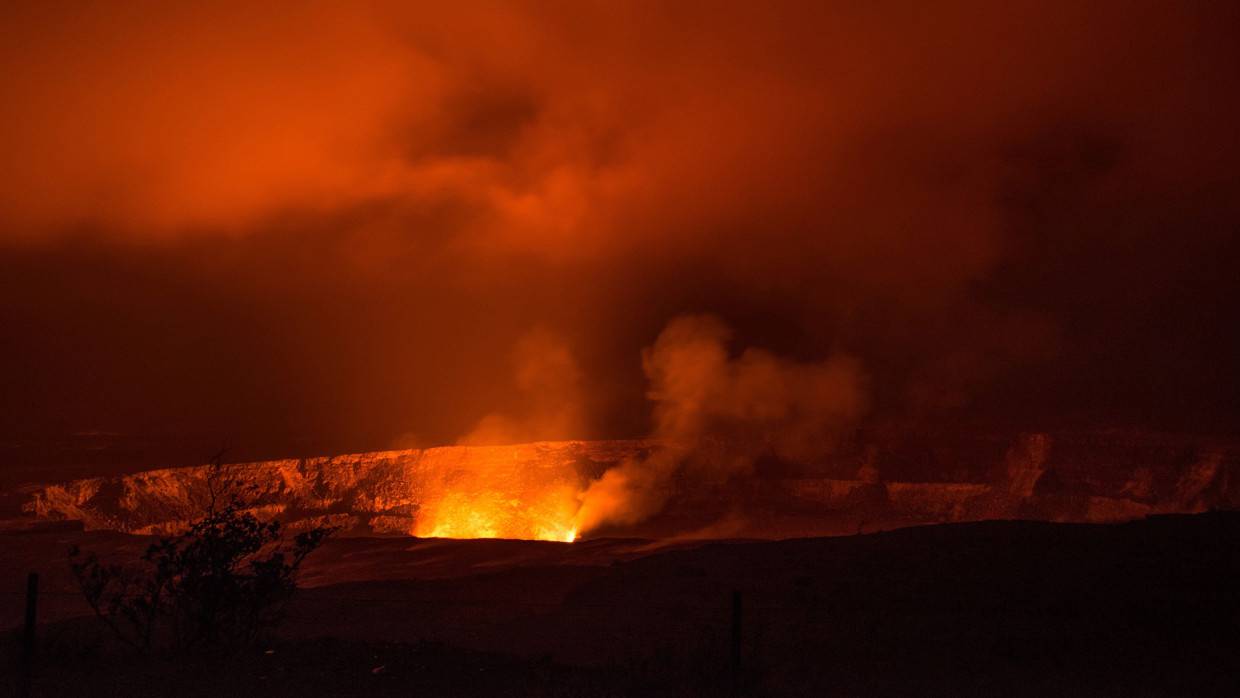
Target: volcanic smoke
762,402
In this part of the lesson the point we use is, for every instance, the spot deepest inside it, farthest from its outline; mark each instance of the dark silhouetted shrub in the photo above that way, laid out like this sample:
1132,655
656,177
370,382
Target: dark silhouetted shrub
220,583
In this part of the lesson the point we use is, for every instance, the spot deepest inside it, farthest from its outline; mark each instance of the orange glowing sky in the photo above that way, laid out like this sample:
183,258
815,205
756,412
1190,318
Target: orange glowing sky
326,227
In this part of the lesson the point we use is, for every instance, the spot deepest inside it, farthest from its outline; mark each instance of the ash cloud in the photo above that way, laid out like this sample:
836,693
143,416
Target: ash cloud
314,227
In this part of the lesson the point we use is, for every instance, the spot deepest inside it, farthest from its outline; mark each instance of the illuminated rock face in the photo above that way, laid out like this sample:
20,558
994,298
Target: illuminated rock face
530,491
517,491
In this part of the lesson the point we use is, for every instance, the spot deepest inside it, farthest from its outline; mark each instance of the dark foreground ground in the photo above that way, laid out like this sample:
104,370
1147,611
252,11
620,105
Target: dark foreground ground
1150,608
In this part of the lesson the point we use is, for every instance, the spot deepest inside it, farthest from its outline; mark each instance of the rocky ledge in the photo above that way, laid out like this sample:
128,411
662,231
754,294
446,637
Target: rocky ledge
416,492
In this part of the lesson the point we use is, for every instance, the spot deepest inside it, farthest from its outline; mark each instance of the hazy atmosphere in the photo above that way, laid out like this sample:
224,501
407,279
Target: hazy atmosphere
316,227
648,348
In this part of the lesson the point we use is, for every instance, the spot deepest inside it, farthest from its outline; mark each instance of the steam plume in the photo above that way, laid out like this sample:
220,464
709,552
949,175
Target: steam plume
761,402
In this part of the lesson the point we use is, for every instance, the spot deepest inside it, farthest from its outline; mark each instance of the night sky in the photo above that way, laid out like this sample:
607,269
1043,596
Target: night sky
323,227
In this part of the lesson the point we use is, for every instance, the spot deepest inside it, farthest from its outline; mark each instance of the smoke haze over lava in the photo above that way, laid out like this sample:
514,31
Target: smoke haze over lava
308,228
620,347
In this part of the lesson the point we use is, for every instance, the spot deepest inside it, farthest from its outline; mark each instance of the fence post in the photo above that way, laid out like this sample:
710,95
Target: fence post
736,642
27,660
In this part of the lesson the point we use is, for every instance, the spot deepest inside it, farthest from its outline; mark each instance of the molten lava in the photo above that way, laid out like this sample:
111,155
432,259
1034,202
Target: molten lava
524,492
488,513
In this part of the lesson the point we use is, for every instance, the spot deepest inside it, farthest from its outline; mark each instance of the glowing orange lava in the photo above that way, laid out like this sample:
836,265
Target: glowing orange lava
491,514
498,492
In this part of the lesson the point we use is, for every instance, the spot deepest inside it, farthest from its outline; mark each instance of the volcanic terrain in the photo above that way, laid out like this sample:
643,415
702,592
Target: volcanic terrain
428,587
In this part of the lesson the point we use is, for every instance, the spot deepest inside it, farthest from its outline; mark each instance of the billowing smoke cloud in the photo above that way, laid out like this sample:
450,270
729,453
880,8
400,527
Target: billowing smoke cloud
549,384
759,402
311,227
